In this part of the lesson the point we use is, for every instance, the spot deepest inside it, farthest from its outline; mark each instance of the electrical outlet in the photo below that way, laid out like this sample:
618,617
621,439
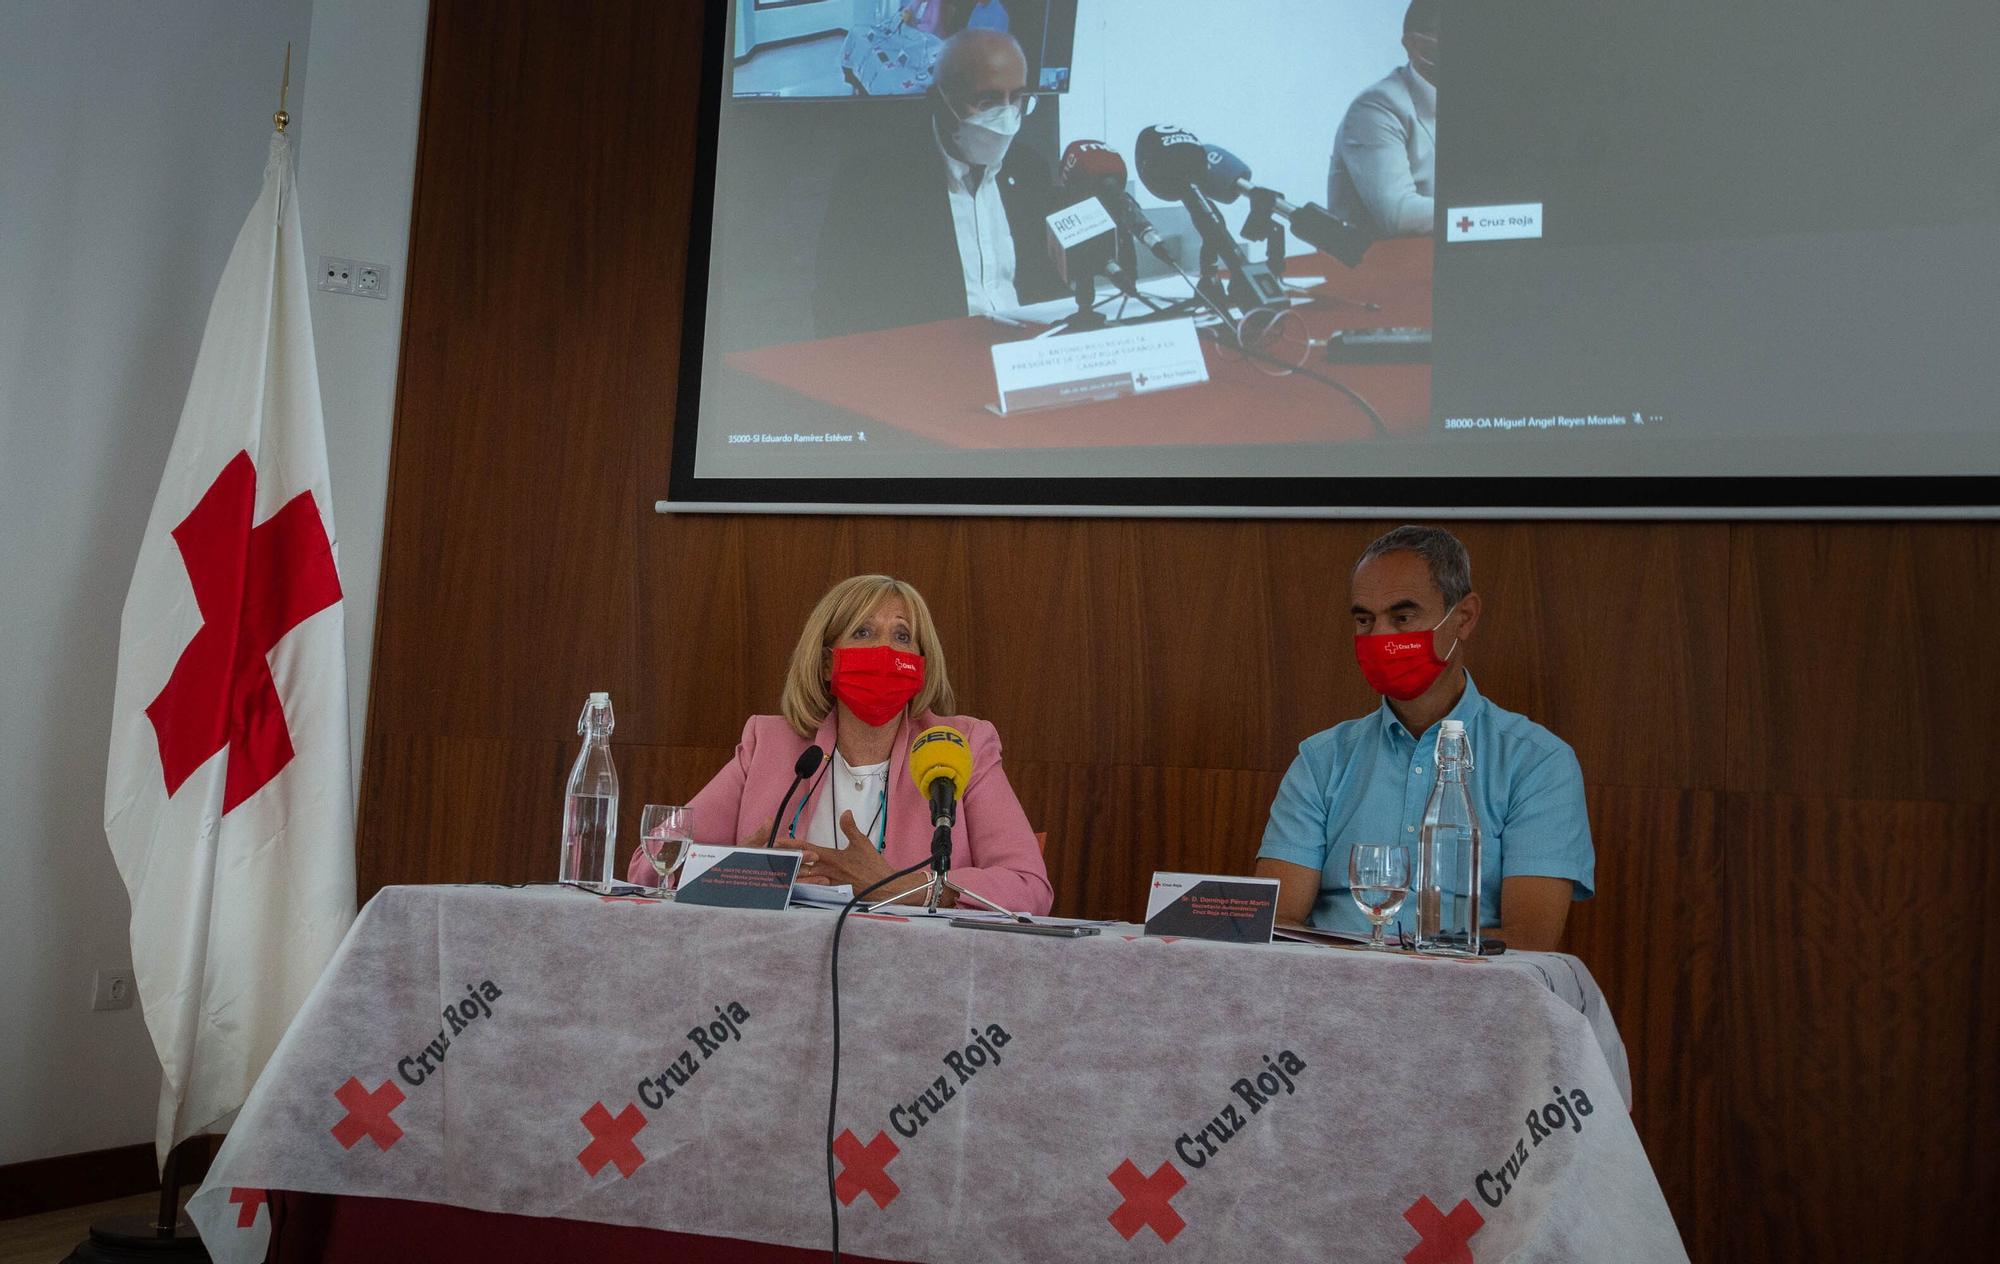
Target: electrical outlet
371,280
336,276
353,276
116,989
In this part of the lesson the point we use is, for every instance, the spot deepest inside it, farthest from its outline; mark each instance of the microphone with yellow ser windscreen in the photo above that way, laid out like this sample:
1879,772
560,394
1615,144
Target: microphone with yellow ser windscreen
941,765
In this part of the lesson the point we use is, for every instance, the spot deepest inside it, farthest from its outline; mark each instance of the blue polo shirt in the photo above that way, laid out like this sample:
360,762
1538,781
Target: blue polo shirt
1367,780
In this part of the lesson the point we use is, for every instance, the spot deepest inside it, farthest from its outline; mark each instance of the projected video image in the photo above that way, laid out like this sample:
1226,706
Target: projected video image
1340,239
885,48
1147,264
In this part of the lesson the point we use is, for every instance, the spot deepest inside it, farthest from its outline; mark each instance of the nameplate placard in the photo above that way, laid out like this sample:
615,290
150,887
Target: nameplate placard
1099,365
738,877
1211,906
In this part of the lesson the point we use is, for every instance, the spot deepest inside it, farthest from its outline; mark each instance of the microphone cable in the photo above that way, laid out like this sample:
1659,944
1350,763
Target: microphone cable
833,1090
1234,327
1257,353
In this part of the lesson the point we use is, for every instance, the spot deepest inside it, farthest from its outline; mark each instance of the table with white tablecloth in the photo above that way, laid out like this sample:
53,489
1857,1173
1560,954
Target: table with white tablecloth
553,1053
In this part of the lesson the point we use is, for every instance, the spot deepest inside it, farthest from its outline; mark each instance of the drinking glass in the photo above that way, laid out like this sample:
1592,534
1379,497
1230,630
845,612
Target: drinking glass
664,838
1378,877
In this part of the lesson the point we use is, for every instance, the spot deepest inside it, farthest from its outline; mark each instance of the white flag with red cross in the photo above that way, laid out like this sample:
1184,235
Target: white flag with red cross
227,801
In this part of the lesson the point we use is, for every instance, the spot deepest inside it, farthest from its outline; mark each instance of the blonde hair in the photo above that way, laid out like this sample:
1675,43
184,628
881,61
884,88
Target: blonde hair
807,701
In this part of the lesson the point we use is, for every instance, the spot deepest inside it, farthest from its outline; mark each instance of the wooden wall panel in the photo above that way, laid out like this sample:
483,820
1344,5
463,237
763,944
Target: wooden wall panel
1652,938
461,809
1607,633
1784,728
1866,661
1863,1020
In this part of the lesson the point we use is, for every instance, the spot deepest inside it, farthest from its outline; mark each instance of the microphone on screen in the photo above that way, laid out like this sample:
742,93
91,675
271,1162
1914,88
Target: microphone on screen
1171,160
808,763
1173,164
1225,177
1091,168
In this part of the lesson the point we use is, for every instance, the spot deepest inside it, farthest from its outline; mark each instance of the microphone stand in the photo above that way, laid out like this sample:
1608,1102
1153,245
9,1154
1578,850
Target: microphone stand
937,884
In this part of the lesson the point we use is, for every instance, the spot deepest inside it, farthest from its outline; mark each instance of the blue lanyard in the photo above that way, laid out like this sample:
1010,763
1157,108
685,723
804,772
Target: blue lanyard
881,810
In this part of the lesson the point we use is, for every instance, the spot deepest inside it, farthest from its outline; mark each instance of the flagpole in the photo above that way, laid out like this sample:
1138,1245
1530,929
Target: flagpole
167,1235
281,119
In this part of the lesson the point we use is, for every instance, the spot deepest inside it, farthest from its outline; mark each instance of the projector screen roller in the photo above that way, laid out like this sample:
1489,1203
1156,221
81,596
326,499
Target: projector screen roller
1553,254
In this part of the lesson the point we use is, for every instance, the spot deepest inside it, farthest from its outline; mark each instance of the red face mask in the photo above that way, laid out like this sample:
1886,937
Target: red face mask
876,681
1402,664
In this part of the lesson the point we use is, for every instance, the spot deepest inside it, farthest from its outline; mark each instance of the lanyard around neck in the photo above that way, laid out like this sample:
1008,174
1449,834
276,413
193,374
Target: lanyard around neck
881,839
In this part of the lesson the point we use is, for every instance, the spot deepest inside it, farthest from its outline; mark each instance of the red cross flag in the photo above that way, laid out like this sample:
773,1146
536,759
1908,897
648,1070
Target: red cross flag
227,801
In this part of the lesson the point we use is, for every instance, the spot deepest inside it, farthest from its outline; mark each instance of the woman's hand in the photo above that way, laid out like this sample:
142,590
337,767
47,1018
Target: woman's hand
858,863
762,838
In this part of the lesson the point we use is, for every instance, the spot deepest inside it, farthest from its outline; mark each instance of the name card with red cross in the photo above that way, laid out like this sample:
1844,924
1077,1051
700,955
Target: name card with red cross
1513,222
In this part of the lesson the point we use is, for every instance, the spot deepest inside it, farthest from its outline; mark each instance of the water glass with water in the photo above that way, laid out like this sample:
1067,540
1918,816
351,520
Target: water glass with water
1378,877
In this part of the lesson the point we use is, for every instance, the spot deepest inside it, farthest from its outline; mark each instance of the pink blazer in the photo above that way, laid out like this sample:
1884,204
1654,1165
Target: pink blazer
993,848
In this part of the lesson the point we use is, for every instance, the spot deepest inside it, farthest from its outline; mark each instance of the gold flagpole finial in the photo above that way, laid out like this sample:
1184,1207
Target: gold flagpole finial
280,119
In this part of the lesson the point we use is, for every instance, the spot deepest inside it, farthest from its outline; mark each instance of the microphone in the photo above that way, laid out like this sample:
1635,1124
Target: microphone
1173,165
1225,177
808,764
1083,239
1090,168
1171,161
941,764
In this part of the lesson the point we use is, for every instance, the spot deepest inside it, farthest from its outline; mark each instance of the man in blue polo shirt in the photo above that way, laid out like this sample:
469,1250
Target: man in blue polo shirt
1367,780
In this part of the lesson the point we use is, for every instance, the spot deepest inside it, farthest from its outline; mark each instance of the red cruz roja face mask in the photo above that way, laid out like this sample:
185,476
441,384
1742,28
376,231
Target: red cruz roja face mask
1402,665
876,681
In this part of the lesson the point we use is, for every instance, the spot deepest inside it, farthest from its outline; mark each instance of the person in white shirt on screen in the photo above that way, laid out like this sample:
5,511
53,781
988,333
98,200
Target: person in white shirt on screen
1384,168
938,211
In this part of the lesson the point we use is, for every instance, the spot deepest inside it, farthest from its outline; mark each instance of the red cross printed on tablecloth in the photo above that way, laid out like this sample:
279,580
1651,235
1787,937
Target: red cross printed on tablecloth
864,1168
252,585
1148,1200
368,1114
1158,939
251,1200
611,1139
1444,1239
1465,224
626,899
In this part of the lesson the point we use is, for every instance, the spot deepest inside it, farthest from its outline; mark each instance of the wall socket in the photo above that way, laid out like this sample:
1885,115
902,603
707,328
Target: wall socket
116,989
353,276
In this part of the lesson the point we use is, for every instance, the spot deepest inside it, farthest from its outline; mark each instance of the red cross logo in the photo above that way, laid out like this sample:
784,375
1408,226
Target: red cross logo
368,1114
1443,1238
1465,223
611,1139
251,1200
252,585
1148,1200
864,1168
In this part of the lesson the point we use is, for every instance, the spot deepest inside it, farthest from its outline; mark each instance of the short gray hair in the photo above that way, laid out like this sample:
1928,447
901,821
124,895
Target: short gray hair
1450,564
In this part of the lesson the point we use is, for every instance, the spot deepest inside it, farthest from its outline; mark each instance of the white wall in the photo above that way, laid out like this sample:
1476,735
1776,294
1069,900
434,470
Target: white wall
132,140
357,168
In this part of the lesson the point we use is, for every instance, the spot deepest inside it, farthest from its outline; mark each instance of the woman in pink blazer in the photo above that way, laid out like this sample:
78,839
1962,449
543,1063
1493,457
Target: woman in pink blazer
866,677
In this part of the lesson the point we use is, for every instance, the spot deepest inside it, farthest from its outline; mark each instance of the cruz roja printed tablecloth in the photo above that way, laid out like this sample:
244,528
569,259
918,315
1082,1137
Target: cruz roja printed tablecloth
551,1052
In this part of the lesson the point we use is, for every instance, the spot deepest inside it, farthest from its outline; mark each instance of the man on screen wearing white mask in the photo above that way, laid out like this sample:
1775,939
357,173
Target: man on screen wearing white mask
939,211
1384,169
1367,781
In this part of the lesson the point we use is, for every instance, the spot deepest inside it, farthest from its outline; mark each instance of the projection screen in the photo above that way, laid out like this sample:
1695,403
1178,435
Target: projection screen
1322,255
